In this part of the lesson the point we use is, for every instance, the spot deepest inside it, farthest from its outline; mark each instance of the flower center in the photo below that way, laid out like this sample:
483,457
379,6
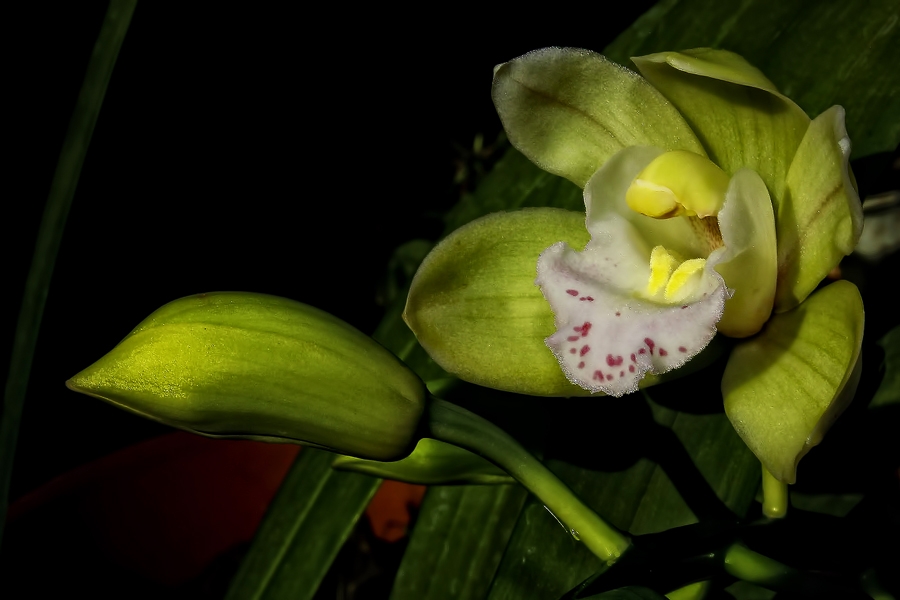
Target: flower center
671,279
676,184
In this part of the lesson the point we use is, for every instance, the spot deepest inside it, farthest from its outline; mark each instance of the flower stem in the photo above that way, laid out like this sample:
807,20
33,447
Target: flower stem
775,496
453,424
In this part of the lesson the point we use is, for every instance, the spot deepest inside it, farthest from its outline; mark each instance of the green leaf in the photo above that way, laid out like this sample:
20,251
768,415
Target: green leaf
457,542
785,387
314,511
569,110
889,390
820,218
627,593
59,200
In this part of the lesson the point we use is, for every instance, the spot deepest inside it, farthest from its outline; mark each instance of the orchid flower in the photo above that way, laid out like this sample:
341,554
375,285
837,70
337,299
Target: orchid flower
713,204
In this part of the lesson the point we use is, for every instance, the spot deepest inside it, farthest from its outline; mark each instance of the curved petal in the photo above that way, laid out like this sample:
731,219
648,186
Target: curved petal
820,219
785,387
748,260
608,337
475,309
569,110
737,113
604,196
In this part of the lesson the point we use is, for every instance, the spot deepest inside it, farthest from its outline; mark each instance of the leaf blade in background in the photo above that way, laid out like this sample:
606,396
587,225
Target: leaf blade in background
62,191
450,515
314,511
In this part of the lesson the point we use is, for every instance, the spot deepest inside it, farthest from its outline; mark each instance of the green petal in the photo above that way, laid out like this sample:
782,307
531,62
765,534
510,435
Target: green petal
568,110
748,260
433,462
737,113
820,219
474,307
785,387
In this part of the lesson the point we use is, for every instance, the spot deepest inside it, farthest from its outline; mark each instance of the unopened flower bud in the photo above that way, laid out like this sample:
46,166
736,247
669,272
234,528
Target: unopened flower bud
254,366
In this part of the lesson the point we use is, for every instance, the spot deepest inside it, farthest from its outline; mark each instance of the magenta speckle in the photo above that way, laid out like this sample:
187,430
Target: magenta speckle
585,349
598,375
585,329
621,373
684,307
633,359
572,350
618,314
609,377
581,365
650,344
613,361
573,338
631,368
682,349
572,292
663,352
642,351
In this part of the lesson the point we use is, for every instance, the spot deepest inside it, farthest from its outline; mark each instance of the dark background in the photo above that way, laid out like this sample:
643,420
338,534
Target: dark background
265,150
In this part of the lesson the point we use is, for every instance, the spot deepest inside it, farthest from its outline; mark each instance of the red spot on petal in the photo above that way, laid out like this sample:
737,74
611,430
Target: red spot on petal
621,373
614,361
618,314
581,365
598,375
572,292
650,344
632,358
609,377
631,368
682,349
590,298
573,338
585,328
585,349
662,352
573,350
684,307
642,351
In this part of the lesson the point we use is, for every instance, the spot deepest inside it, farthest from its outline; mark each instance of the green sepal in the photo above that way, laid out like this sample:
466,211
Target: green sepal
253,366
785,387
568,110
738,115
476,310
820,218
433,462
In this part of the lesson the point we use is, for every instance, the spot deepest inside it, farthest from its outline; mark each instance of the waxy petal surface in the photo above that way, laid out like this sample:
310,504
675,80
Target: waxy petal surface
748,261
737,114
820,219
569,110
785,387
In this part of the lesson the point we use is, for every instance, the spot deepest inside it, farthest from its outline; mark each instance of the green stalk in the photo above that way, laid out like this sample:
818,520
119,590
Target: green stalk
62,190
775,496
456,425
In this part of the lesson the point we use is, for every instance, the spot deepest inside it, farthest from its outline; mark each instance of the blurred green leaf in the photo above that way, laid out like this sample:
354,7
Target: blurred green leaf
62,191
314,511
628,593
889,391
457,542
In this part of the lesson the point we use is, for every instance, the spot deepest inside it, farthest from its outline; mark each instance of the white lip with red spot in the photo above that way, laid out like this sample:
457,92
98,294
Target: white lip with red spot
609,334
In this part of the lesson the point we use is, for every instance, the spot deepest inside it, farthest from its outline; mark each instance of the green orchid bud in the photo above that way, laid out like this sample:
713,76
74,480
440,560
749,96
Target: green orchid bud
433,462
253,366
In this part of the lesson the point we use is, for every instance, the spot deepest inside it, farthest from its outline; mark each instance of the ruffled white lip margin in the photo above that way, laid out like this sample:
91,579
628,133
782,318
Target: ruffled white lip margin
607,335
